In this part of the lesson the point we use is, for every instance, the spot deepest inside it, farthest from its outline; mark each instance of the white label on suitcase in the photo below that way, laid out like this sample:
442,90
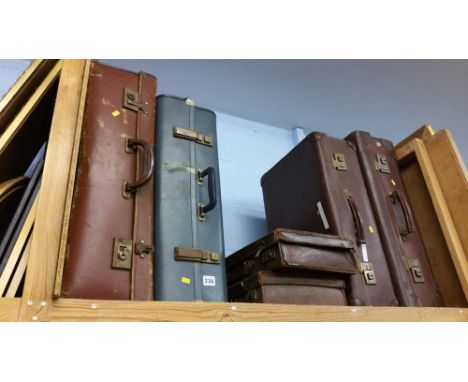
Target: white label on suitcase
364,253
322,215
209,280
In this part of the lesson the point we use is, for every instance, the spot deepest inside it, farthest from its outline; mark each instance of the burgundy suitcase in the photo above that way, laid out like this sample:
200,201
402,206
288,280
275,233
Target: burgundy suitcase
110,239
285,249
318,187
412,277
287,288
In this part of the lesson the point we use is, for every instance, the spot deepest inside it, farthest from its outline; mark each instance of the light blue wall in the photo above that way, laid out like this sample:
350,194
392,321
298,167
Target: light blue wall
10,70
246,151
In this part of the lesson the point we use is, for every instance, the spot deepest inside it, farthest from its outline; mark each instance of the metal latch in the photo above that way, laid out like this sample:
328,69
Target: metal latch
339,162
141,248
381,164
201,213
196,255
192,135
268,255
369,274
122,255
131,100
414,267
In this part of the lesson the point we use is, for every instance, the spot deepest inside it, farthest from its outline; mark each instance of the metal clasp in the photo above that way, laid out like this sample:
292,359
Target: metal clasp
122,254
192,135
339,162
368,273
131,101
141,248
414,267
381,164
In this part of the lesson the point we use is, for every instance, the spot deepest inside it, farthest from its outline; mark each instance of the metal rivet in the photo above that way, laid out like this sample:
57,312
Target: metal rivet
29,302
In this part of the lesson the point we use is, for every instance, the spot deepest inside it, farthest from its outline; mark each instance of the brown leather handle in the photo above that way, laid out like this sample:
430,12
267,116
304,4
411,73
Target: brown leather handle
395,197
357,221
148,159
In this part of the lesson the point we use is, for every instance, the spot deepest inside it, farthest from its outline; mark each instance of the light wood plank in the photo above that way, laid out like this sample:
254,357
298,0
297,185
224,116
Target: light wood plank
448,228
29,106
87,310
453,179
9,309
424,133
71,185
20,271
17,250
42,265
17,95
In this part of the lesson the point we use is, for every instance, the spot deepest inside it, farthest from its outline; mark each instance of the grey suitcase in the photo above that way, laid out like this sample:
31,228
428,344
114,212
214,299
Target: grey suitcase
189,246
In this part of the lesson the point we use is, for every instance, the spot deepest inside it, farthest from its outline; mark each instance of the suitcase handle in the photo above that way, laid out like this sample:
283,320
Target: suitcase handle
148,157
395,197
357,221
212,192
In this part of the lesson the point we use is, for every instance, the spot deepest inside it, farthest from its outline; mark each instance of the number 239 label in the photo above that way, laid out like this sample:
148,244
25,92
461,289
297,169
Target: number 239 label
209,280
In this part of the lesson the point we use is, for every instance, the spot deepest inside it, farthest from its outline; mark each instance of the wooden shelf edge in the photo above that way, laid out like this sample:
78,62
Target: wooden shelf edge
9,309
90,310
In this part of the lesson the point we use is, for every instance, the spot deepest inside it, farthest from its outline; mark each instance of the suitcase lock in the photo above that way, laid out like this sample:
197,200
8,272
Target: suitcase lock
339,162
122,255
192,135
381,164
414,267
368,273
196,255
141,248
131,101
268,255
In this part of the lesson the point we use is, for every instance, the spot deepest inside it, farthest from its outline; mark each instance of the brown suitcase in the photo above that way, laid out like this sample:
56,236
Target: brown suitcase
287,288
109,251
318,187
412,277
290,249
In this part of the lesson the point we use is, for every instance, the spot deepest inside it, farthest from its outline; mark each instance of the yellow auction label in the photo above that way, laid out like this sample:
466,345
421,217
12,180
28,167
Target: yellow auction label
185,280
371,229
116,113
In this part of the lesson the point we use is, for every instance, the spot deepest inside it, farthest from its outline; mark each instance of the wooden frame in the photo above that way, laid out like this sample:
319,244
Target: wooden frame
38,304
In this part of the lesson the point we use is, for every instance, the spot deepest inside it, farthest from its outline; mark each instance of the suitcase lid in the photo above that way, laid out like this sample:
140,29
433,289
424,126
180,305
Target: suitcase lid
307,239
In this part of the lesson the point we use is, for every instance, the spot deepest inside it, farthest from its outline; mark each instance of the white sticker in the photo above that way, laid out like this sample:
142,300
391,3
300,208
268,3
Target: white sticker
323,216
378,144
364,253
209,280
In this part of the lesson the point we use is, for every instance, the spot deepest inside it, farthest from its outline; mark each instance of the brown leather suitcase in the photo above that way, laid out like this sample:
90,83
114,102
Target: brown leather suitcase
109,251
284,249
286,288
318,187
412,277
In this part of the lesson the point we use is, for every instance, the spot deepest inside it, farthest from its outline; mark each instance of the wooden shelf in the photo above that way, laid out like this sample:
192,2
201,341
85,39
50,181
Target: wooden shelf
90,310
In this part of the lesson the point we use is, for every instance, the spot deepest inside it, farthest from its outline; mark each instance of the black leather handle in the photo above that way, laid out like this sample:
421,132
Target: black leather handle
357,221
212,191
395,197
148,160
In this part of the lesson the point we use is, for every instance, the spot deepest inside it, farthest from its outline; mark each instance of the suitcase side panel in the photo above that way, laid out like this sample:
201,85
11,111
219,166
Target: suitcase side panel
209,232
103,167
385,188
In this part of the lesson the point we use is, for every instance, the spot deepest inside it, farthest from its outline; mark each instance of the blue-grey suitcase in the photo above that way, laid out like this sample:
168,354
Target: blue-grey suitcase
188,236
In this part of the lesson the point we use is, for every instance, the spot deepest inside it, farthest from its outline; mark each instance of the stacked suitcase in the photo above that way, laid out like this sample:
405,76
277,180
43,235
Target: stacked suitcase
352,188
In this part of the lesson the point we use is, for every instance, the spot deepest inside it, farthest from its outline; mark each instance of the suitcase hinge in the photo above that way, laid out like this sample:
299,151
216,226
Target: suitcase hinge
122,254
414,267
196,255
192,135
131,101
381,164
368,273
339,162
141,248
